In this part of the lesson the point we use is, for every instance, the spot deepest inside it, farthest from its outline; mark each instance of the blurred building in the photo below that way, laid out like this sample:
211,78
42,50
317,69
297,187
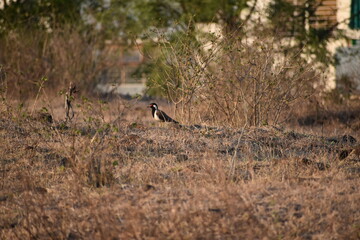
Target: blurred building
343,15
120,76
347,51
343,18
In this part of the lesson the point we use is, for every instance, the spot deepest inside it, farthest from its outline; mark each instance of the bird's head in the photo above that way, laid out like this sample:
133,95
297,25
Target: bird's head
153,105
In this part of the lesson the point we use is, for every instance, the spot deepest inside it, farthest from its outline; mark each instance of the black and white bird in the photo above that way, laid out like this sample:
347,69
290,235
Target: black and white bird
159,115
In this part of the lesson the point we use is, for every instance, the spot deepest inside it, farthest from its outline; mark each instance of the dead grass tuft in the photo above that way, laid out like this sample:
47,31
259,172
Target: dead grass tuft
117,177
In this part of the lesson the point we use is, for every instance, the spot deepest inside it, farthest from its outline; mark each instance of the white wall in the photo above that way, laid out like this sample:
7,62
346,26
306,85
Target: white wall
343,18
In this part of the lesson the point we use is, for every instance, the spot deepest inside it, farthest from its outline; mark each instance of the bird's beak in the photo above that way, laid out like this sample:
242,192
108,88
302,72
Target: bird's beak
149,106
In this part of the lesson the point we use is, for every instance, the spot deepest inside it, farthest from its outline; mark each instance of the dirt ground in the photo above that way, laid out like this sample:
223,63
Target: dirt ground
114,173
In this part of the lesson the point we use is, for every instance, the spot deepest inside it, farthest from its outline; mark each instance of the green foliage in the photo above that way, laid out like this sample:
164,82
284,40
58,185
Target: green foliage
167,72
167,28
293,21
39,14
128,19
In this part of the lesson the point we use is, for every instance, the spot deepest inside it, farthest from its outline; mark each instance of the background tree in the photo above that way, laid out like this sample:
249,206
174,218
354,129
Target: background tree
40,14
46,39
172,21
301,23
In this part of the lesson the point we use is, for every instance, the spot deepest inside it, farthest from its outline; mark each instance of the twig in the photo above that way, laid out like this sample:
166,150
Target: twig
42,81
232,164
69,97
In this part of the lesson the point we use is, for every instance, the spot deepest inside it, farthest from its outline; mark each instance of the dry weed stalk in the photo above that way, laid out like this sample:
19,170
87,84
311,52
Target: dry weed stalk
233,159
41,87
69,97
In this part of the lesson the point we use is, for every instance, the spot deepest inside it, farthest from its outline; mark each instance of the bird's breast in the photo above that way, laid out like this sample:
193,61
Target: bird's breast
156,117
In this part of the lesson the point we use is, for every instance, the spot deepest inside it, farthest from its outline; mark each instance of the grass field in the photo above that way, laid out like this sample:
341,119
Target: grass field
113,173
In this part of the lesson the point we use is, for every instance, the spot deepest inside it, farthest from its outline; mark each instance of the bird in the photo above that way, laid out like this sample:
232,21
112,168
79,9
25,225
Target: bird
159,115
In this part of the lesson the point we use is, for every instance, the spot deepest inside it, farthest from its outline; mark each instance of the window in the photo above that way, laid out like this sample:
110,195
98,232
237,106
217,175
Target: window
355,14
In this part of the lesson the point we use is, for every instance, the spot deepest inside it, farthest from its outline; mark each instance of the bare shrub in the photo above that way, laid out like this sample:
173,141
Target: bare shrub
234,80
63,56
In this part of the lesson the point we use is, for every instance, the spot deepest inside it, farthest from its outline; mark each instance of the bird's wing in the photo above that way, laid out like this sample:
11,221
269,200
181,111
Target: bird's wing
164,117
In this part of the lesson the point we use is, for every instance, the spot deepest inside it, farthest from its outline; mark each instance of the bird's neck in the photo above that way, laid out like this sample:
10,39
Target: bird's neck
153,111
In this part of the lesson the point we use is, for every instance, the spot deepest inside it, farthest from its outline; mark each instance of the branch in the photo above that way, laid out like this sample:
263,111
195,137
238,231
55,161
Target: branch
251,12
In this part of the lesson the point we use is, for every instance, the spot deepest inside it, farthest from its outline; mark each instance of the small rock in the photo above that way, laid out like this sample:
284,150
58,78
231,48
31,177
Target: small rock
40,190
321,166
29,147
298,214
306,161
65,162
297,207
348,139
73,236
344,154
182,158
3,197
148,187
217,210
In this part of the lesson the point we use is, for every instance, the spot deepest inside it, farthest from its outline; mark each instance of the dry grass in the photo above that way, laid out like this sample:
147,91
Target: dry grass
118,175
32,59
